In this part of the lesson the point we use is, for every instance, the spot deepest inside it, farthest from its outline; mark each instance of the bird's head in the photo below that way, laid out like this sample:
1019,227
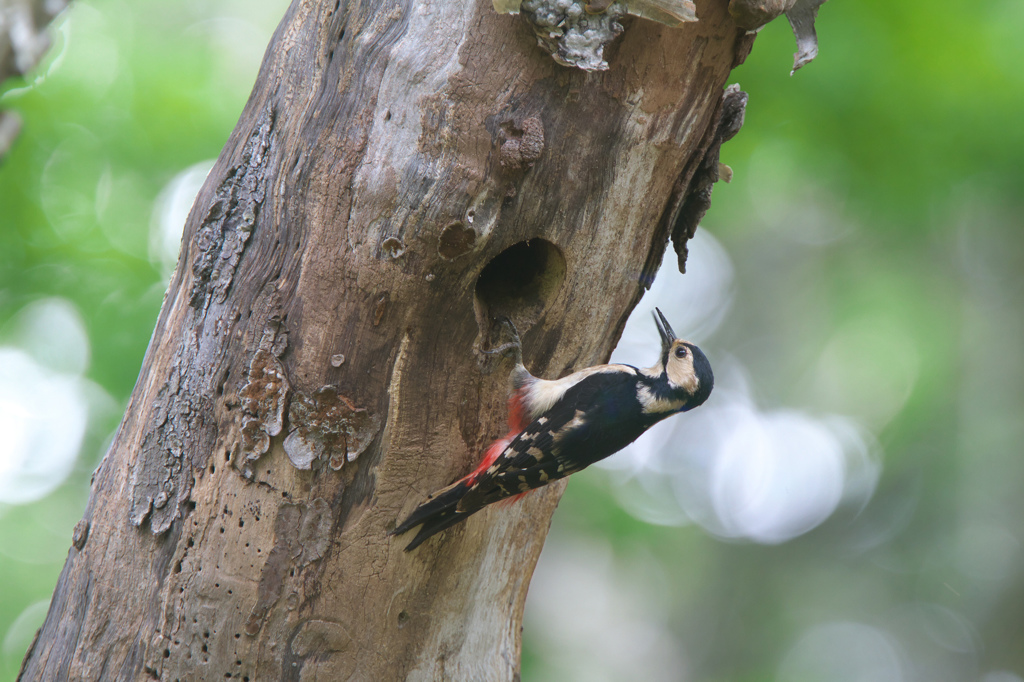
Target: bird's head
684,365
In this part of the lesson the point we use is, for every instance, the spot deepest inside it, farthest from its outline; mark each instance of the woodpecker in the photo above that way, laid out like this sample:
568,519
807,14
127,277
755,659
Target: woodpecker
558,427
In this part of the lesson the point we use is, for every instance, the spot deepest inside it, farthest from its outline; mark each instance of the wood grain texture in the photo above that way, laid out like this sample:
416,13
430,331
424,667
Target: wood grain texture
314,372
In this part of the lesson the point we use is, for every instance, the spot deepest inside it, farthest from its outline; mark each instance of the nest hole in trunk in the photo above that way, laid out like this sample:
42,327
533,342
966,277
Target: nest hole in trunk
519,283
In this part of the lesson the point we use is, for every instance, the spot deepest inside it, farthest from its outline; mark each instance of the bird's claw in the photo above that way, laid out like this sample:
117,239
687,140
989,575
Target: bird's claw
514,346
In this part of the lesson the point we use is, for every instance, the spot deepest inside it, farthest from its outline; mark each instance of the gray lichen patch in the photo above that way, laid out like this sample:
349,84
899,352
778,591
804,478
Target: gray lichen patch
575,32
263,398
672,13
221,237
571,35
327,426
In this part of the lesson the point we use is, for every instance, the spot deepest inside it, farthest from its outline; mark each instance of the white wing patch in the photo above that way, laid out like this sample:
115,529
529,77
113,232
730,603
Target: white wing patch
542,394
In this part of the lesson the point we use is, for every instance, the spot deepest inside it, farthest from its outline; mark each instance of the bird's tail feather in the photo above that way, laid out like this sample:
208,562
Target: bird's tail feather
436,514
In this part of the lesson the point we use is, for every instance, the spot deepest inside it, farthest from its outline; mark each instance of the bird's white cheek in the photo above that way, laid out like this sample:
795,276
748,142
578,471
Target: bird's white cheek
650,404
683,375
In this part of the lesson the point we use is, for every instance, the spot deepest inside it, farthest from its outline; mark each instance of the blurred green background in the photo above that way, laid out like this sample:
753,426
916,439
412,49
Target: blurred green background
855,513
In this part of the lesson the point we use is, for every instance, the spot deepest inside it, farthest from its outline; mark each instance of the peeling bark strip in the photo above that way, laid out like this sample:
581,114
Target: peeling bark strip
231,217
404,173
801,19
182,428
697,199
264,397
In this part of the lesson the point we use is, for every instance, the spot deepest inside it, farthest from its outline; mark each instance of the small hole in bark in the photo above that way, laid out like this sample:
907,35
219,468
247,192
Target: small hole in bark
519,283
456,239
387,116
167,653
403,616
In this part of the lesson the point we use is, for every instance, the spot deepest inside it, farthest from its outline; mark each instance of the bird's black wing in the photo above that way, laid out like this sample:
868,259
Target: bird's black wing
578,430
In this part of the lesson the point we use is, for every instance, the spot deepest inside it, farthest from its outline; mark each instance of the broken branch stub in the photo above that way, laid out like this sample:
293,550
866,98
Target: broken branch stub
752,15
801,19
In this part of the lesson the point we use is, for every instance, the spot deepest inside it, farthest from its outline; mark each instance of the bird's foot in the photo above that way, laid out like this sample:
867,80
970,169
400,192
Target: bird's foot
512,347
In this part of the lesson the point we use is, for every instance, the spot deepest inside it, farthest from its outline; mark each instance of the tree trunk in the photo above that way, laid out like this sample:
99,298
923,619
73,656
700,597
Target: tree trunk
403,174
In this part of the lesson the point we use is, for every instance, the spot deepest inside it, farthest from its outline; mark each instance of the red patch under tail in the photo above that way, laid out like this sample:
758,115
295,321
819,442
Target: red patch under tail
517,423
492,453
517,419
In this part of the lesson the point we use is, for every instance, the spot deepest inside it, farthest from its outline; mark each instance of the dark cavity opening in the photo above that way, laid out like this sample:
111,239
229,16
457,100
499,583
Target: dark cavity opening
519,283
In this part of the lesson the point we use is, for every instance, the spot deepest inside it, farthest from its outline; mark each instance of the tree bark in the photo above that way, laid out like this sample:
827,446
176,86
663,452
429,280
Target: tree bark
403,174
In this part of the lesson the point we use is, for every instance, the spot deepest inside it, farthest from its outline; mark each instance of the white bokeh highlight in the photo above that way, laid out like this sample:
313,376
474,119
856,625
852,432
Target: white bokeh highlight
43,418
776,475
52,331
170,212
843,652
695,304
44,401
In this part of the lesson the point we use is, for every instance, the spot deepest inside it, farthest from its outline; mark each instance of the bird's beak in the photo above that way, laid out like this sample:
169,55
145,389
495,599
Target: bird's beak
665,329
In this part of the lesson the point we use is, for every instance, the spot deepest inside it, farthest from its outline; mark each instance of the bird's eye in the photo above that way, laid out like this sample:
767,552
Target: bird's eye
681,352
